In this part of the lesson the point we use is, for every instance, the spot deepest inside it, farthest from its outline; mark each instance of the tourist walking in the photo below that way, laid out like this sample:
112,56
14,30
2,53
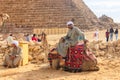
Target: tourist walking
111,33
116,33
107,35
96,35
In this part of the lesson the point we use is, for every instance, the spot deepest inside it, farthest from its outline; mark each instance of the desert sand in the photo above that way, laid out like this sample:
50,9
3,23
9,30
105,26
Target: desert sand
109,67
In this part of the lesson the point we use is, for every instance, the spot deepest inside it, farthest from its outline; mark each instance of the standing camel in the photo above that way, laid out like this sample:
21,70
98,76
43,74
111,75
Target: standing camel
3,17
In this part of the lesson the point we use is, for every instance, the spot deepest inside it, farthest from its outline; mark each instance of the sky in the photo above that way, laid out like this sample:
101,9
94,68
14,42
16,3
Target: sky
111,8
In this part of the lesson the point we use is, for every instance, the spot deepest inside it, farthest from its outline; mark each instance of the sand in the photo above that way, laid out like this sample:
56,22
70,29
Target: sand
109,68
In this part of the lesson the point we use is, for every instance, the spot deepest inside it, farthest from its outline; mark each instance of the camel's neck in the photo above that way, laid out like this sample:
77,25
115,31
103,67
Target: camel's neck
1,21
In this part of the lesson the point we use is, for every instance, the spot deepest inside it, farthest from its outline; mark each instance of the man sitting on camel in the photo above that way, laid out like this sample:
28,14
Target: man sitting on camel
71,39
73,49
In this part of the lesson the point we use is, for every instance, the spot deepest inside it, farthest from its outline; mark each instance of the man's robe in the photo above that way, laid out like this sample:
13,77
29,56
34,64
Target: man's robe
13,62
71,39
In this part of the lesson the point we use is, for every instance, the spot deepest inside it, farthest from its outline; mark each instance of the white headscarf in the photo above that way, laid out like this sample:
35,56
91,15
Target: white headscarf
70,22
16,43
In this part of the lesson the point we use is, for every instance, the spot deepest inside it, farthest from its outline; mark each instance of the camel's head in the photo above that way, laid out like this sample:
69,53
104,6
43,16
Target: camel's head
3,17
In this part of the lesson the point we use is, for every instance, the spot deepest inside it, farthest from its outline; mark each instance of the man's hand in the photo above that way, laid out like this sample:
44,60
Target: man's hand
12,57
62,40
85,41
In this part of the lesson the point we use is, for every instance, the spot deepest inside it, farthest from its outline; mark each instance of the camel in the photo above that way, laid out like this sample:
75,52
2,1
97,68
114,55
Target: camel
3,18
79,58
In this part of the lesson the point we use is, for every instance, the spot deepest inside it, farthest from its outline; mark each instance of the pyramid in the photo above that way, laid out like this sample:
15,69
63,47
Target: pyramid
48,13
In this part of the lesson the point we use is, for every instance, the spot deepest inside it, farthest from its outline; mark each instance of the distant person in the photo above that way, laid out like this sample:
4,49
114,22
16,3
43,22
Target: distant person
96,35
14,58
39,38
107,35
43,35
111,33
116,34
27,37
34,38
9,39
44,39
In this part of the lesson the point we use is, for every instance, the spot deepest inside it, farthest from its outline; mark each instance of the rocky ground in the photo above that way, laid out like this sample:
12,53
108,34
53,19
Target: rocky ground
109,68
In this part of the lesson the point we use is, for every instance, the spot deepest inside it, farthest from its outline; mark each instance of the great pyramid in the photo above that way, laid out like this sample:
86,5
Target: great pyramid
48,13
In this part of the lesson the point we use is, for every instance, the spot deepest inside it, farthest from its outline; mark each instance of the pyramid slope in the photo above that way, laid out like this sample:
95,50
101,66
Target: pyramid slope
48,13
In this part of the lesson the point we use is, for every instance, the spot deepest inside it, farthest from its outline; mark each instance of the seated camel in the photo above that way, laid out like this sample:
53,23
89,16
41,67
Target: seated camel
77,59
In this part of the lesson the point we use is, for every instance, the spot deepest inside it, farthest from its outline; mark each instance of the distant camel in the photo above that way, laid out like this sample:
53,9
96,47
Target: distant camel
3,17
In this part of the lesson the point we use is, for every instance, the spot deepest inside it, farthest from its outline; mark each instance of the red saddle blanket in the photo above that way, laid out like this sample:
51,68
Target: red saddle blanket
74,57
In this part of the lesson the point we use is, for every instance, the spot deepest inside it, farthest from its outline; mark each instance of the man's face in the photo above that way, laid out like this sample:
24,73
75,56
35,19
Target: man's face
70,26
13,45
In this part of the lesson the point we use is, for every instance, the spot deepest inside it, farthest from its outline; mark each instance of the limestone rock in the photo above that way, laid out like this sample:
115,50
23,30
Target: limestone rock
28,14
102,53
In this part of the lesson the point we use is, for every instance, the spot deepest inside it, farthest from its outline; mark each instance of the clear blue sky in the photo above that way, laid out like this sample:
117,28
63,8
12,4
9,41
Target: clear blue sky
110,8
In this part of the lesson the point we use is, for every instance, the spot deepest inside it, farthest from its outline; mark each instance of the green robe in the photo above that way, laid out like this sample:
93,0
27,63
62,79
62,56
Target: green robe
71,39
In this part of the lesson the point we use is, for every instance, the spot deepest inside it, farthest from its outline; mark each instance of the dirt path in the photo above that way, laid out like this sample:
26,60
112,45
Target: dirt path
109,70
